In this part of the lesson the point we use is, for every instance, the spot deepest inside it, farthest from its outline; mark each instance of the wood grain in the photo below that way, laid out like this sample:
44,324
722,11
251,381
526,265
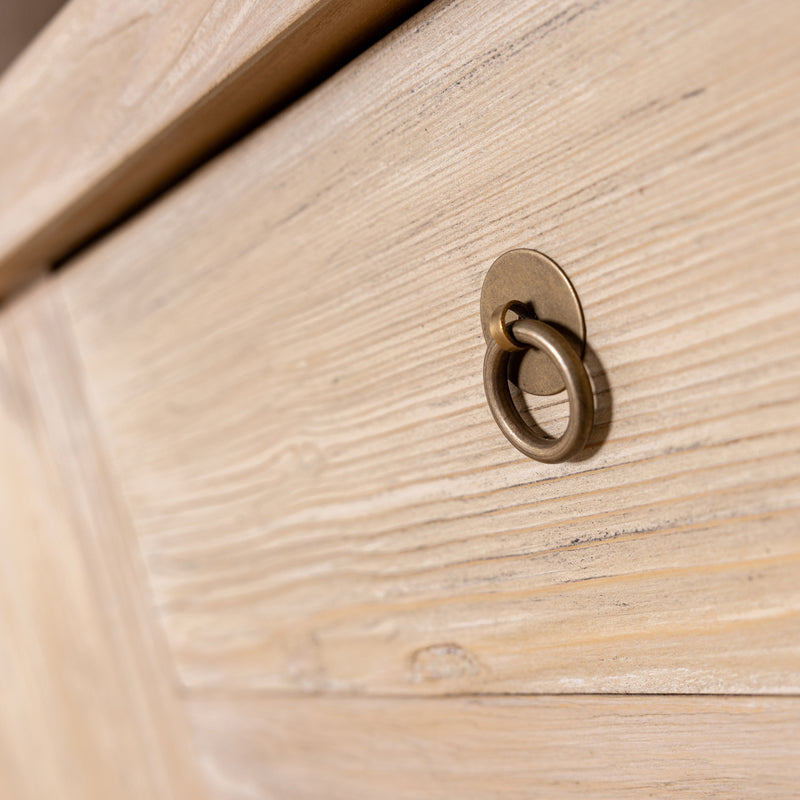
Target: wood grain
89,707
538,747
116,100
284,357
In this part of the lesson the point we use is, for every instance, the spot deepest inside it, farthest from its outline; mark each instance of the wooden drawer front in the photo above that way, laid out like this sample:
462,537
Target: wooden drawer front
113,102
284,357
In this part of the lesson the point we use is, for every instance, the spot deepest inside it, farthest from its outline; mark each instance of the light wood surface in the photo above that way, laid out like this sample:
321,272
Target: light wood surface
284,359
89,708
296,748
116,100
255,514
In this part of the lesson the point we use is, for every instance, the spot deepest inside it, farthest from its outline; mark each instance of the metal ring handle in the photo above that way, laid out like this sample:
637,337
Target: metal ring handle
579,391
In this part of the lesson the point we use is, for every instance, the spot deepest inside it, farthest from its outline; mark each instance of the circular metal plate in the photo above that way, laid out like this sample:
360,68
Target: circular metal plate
532,278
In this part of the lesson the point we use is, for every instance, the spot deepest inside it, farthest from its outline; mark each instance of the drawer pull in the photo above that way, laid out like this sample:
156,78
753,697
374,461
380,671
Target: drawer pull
541,357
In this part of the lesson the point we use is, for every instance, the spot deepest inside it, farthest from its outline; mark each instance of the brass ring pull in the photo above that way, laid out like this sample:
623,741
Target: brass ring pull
534,333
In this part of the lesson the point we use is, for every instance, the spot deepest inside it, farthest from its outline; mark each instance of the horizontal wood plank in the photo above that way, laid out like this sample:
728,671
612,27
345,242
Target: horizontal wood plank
114,101
537,747
284,356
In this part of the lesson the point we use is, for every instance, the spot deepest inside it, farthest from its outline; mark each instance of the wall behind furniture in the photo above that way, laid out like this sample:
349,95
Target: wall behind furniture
20,21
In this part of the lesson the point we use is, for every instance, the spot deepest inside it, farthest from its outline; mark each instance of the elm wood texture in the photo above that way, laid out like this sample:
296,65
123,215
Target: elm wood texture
89,707
114,101
72,609
284,357
345,748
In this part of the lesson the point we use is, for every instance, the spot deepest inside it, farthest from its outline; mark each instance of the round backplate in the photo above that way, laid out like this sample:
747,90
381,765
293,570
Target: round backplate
531,278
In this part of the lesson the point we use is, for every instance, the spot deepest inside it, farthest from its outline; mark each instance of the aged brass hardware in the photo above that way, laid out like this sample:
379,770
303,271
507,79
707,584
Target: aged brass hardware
536,282
541,351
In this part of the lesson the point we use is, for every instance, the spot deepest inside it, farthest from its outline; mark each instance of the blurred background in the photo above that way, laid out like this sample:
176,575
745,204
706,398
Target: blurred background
20,21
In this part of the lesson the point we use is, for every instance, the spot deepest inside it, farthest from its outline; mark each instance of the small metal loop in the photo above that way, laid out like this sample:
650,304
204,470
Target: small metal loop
499,328
534,333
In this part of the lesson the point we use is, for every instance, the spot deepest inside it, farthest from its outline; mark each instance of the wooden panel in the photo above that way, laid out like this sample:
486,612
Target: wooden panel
573,747
285,359
115,100
89,707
